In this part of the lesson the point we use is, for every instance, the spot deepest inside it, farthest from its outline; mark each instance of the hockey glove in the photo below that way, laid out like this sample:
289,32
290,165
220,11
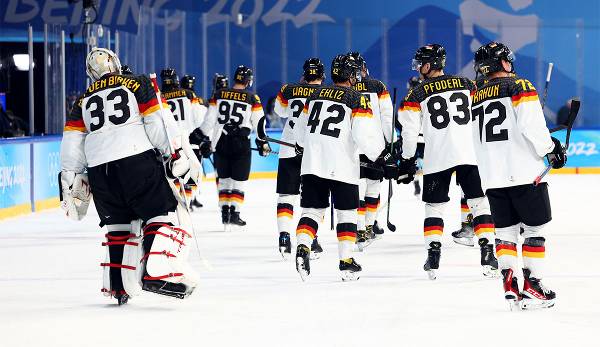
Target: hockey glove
389,164
263,147
558,157
408,169
178,165
197,137
299,150
75,194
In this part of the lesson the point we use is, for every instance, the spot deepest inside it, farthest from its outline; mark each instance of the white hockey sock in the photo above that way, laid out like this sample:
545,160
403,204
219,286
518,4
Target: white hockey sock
506,248
225,187
433,226
237,195
285,212
483,224
346,232
308,225
372,201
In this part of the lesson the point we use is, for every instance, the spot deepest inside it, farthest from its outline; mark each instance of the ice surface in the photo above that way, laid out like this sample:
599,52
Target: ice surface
50,282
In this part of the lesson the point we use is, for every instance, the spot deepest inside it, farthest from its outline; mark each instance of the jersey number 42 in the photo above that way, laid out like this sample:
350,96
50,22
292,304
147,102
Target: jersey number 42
334,114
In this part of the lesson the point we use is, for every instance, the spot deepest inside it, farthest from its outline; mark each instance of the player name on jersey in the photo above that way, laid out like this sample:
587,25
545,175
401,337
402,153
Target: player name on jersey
331,94
302,91
112,81
486,93
175,94
443,85
233,95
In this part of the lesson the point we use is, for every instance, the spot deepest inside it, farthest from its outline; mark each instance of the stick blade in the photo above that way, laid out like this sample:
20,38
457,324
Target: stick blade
575,104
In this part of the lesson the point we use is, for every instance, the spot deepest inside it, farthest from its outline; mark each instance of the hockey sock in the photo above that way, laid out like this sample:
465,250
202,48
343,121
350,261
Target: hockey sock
225,187
285,212
506,252
236,199
346,232
464,210
307,229
361,214
534,252
483,224
433,225
372,201
189,189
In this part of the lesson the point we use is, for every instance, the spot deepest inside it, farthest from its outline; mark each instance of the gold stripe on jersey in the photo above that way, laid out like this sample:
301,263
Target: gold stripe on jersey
410,106
256,107
112,81
443,85
281,100
384,95
361,112
524,97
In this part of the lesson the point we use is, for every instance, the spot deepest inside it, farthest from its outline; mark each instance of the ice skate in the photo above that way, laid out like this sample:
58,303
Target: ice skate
511,289
534,294
122,298
433,259
488,259
303,261
225,218
362,240
315,249
235,222
350,269
196,204
465,235
285,245
377,231
176,290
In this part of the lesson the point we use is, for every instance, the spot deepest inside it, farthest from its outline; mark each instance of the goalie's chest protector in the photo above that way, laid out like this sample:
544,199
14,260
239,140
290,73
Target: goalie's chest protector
113,119
505,155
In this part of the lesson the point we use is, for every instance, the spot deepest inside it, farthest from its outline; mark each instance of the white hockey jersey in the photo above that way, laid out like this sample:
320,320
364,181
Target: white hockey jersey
336,123
188,109
231,110
289,104
117,117
441,107
381,103
510,133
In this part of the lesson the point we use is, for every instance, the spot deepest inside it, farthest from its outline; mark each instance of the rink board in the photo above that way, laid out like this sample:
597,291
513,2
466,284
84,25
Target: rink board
29,168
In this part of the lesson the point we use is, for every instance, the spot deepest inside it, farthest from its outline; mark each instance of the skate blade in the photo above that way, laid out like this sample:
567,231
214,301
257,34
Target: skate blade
315,255
513,304
535,304
161,291
285,255
490,272
226,228
431,274
237,228
464,241
348,275
301,270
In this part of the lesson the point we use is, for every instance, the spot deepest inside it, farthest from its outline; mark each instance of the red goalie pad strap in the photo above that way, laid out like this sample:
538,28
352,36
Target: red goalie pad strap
177,274
165,235
166,253
118,238
118,265
119,243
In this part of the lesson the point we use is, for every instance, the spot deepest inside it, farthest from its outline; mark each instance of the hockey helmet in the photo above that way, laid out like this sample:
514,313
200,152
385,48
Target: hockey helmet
169,78
359,59
488,58
244,75
433,54
220,81
313,70
101,61
188,81
344,68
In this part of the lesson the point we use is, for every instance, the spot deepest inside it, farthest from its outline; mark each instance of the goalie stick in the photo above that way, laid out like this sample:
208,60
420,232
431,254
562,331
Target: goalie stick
390,225
571,120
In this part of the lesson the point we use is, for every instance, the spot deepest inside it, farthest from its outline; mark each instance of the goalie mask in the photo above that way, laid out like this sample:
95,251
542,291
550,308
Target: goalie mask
488,58
101,61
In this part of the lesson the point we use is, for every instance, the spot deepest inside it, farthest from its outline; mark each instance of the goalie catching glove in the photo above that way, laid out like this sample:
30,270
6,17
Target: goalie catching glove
263,147
558,157
75,194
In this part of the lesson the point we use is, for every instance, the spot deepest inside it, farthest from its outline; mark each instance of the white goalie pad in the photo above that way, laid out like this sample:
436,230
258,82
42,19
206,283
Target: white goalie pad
75,194
131,271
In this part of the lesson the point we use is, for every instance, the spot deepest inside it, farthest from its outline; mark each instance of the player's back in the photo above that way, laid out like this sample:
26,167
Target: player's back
380,100
444,103
509,131
330,144
235,108
290,103
180,103
111,110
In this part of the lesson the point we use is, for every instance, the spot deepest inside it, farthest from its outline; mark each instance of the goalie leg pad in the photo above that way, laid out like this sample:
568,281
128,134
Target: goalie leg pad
121,267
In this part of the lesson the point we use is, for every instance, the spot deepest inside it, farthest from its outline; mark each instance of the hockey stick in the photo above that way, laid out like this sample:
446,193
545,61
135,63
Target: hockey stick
179,179
548,75
258,150
391,226
571,120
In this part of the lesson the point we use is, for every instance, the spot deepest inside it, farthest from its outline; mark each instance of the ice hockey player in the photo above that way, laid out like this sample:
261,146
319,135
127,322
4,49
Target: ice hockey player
440,104
112,132
289,104
371,179
509,123
190,113
412,83
336,123
235,112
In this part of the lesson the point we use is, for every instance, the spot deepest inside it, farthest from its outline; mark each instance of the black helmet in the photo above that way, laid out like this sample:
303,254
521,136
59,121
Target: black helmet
488,58
169,78
244,75
344,67
126,70
359,59
188,81
433,54
313,70
413,82
220,81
